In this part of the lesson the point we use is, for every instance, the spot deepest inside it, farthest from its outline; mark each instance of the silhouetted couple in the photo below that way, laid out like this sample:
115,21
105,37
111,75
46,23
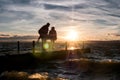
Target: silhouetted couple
45,34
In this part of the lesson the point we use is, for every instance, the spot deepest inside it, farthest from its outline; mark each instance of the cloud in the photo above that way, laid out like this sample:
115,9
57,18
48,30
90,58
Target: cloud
57,7
20,1
87,16
5,2
4,35
114,34
113,4
64,7
18,38
118,35
104,22
14,16
23,37
114,15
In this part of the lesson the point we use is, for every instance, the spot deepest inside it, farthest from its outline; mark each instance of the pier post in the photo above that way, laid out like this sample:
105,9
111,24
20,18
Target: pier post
83,45
66,46
33,45
18,47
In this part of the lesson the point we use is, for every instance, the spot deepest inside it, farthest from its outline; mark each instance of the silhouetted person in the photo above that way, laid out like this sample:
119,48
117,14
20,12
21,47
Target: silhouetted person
52,36
43,34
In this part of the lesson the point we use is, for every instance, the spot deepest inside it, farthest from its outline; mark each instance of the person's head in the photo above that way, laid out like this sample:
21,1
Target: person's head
48,24
52,28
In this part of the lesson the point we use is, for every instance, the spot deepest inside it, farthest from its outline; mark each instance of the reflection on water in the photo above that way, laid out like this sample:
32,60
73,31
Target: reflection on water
73,69
71,48
97,65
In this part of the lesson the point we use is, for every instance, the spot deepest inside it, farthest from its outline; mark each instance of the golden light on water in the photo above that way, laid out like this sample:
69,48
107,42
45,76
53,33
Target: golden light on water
72,48
109,60
36,76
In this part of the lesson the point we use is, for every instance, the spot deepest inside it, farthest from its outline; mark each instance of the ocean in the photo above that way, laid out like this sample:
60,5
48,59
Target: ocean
96,60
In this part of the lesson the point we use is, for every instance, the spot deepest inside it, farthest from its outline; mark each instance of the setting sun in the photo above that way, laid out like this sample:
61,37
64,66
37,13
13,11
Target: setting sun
72,35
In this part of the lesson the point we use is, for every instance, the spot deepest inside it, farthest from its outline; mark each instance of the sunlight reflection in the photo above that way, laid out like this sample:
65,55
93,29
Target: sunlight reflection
36,76
109,60
72,48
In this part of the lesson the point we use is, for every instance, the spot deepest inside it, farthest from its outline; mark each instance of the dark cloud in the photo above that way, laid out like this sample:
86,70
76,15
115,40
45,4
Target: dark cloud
56,7
113,4
56,17
117,35
80,6
65,8
114,34
80,20
102,13
103,9
4,28
4,35
56,0
27,37
21,1
5,19
104,22
23,15
3,3
16,15
59,16
23,37
5,13
115,15
6,2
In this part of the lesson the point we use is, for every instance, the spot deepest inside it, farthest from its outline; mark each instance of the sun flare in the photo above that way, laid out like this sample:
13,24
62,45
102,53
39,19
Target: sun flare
72,35
72,48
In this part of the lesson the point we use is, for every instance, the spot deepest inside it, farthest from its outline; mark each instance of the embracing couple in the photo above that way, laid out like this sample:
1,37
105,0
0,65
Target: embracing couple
45,34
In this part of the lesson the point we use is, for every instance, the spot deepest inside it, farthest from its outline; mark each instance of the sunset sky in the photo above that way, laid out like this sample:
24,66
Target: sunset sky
91,19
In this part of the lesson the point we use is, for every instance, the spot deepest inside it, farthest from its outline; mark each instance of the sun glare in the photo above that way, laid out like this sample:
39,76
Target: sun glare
72,35
72,48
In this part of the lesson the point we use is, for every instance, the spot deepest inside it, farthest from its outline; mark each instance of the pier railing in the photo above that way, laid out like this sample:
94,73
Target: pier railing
19,47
